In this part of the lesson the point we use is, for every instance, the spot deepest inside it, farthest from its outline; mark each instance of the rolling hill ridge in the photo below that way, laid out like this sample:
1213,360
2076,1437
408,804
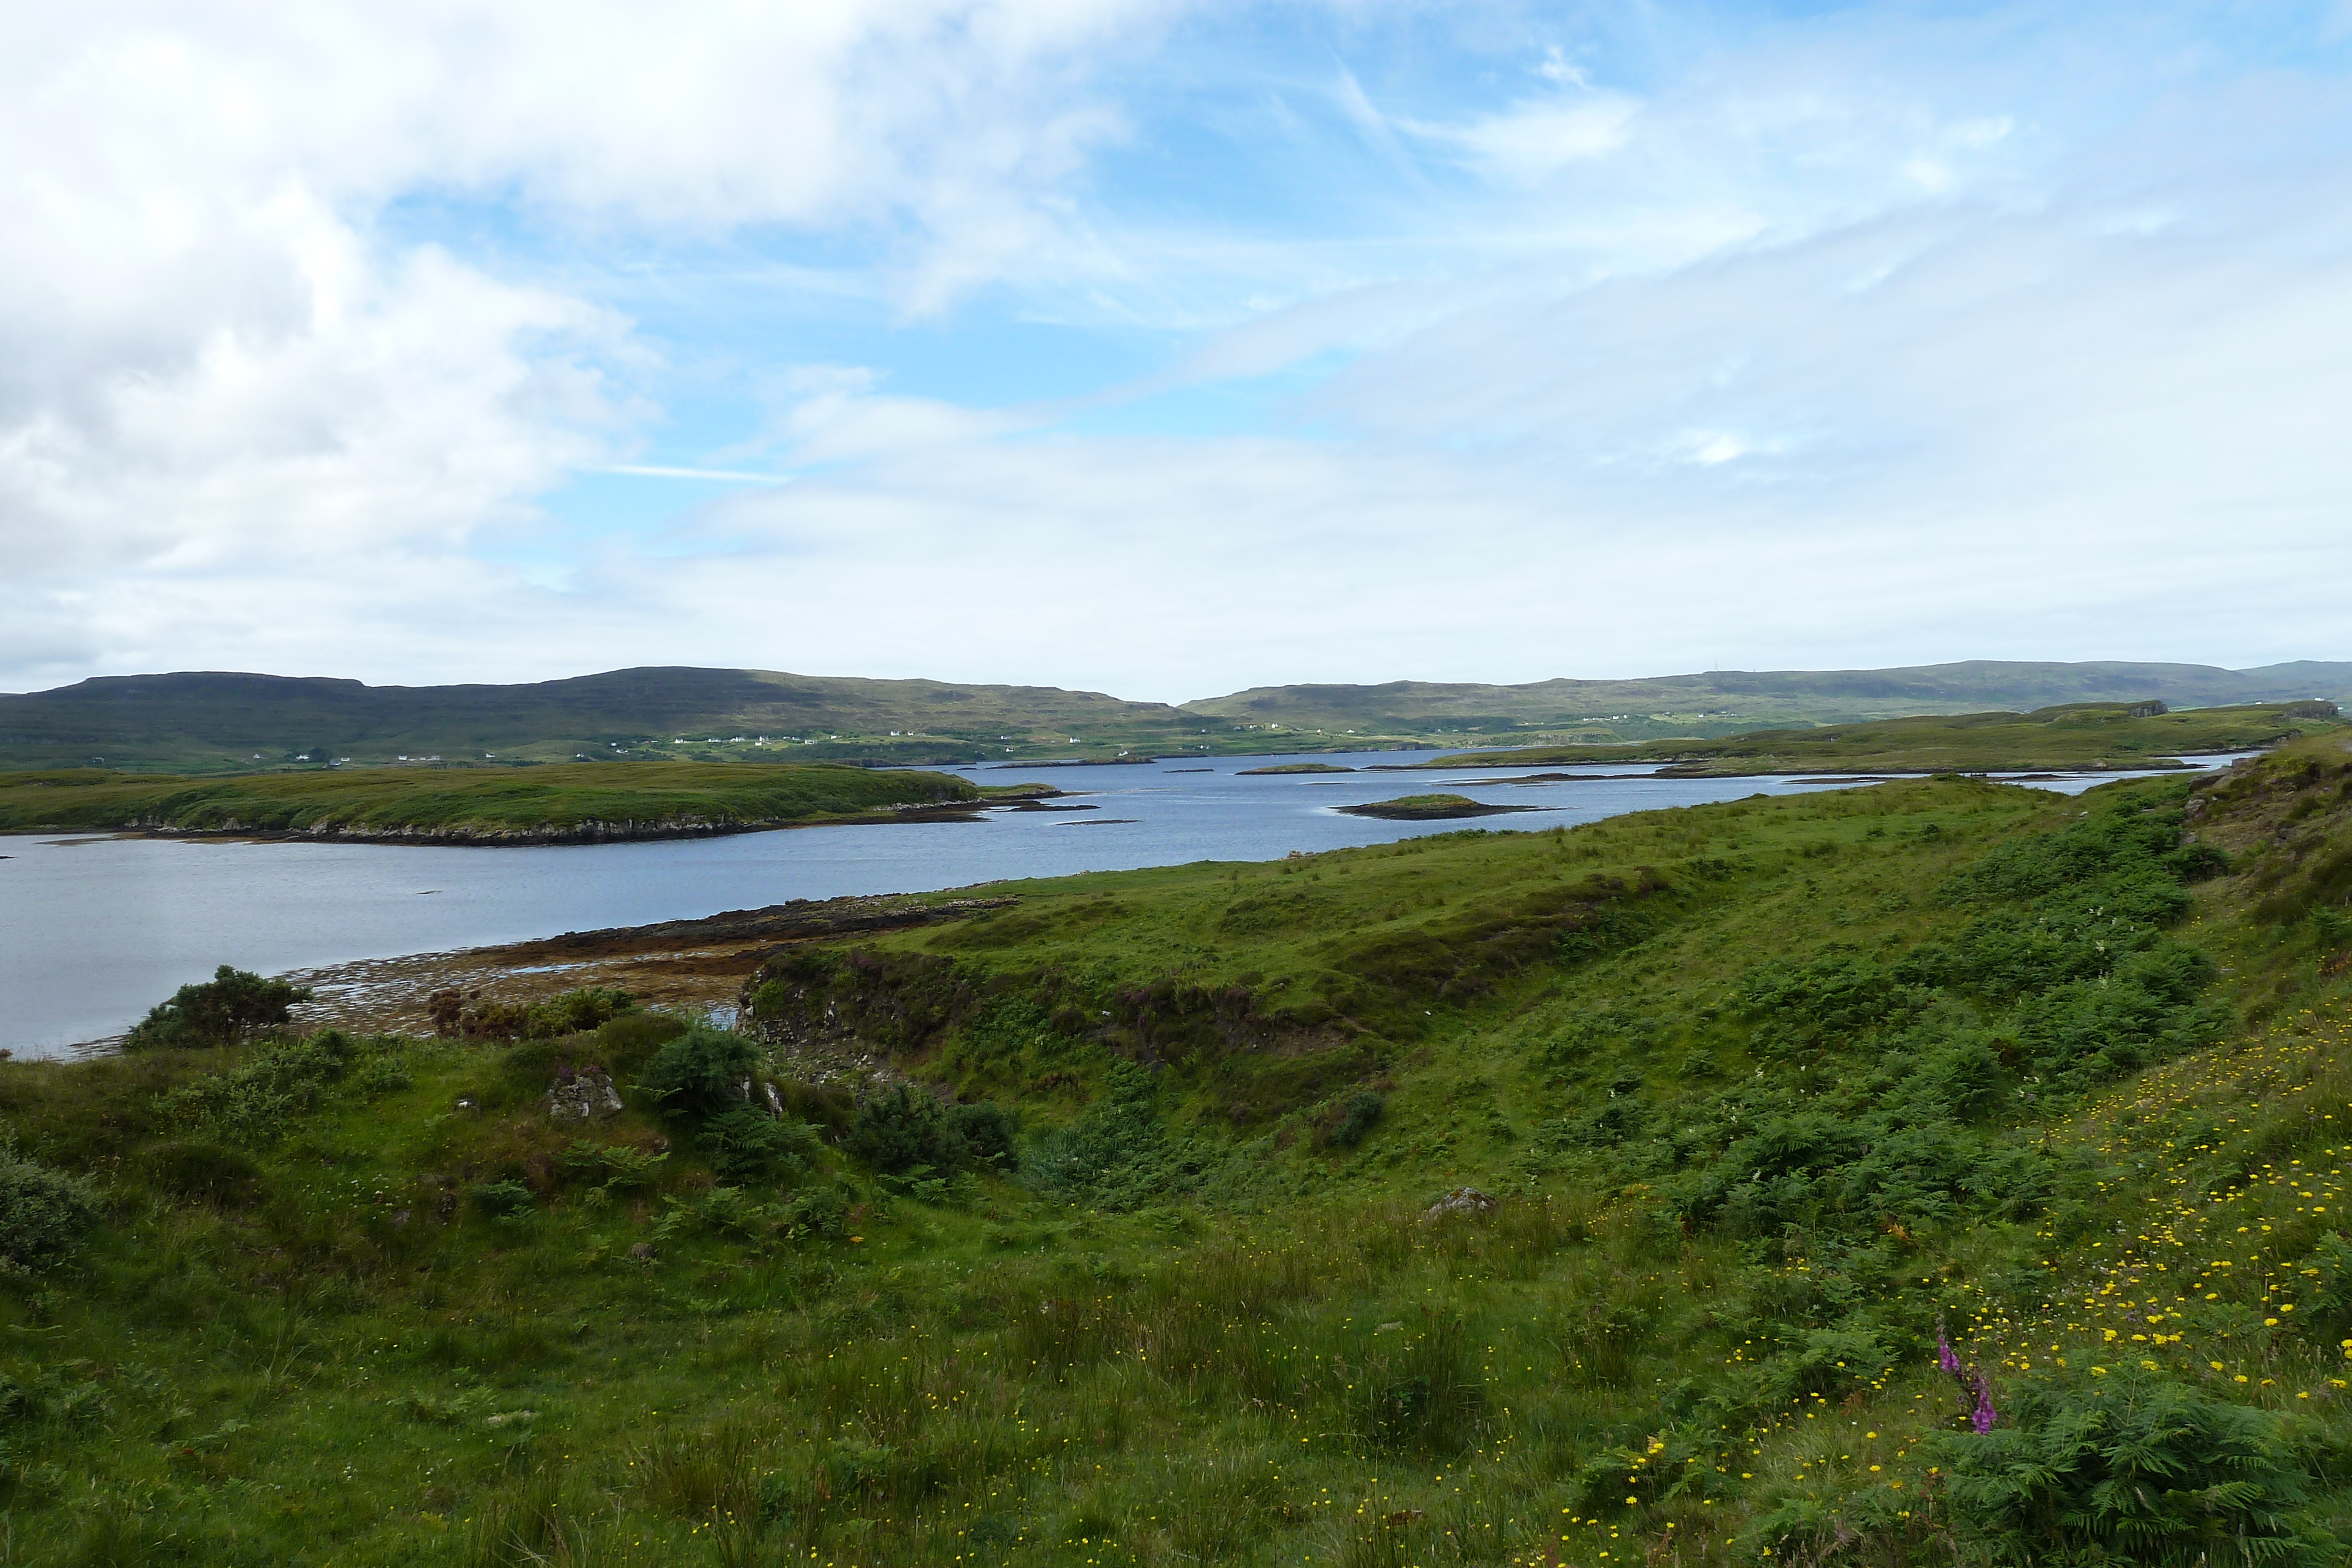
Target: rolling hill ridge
220,721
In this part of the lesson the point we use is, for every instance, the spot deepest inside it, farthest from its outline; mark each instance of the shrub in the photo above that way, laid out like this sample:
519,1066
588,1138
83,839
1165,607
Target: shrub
699,1072
251,1104
1356,1119
43,1212
456,1013
986,1131
632,1039
903,1130
742,1141
506,1200
218,1012
612,1167
2130,1468
204,1173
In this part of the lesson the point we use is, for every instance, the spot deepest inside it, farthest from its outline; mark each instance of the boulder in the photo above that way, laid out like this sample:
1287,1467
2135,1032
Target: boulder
1461,1201
584,1095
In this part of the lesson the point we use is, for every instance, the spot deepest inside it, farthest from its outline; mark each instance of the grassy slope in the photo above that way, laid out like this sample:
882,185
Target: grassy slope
1249,1348
2067,737
613,800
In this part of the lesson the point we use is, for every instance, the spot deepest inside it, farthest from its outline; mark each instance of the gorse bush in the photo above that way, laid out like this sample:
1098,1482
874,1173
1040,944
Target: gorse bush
2130,1468
220,1012
43,1212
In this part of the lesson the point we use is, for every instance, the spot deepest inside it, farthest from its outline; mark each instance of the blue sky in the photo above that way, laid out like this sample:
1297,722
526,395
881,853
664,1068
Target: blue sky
1170,349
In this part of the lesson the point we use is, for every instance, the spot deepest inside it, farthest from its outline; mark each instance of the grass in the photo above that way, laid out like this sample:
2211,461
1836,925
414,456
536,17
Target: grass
565,800
1201,1324
2077,735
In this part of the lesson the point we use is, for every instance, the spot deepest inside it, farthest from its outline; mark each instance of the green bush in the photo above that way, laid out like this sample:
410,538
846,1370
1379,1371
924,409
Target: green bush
699,1072
1357,1117
2131,1468
908,1130
457,1014
986,1131
220,1012
253,1103
742,1141
204,1173
506,1200
904,1130
612,1167
43,1212
633,1040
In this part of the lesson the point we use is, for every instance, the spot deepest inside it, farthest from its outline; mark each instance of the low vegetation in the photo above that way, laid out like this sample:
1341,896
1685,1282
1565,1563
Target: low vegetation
1938,1173
2095,735
563,802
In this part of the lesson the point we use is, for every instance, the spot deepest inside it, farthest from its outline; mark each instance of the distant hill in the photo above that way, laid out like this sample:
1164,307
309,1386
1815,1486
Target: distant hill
207,721
214,722
1723,702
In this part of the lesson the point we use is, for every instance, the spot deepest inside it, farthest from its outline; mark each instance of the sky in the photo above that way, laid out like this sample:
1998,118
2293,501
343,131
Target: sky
1170,349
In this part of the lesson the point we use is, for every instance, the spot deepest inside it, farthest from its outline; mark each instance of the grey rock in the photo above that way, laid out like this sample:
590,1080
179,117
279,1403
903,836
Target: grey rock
585,1095
1461,1201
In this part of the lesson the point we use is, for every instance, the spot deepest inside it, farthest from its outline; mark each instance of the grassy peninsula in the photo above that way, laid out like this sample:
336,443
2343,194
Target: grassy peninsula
558,803
1941,1173
2095,735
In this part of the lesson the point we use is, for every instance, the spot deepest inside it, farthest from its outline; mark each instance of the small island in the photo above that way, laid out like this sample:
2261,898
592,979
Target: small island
1431,809
1294,767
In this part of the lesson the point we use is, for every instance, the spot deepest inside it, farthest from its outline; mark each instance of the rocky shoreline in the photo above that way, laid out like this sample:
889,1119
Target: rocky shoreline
690,966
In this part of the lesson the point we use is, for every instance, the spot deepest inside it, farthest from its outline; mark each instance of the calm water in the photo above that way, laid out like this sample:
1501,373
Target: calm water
94,931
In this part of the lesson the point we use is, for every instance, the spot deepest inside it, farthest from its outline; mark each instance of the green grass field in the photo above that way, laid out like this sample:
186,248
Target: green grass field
562,801
1760,1096
2093,735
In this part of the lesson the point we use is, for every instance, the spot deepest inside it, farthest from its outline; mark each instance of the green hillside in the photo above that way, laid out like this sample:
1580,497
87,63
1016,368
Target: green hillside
564,802
208,722
1724,702
2077,735
1595,1195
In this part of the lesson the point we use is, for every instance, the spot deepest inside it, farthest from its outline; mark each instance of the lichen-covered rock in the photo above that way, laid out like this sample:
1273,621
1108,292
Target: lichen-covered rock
1461,1201
583,1095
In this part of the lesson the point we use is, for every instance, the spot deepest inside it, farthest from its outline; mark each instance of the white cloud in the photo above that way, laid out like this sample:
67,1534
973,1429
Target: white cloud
1528,142
216,354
